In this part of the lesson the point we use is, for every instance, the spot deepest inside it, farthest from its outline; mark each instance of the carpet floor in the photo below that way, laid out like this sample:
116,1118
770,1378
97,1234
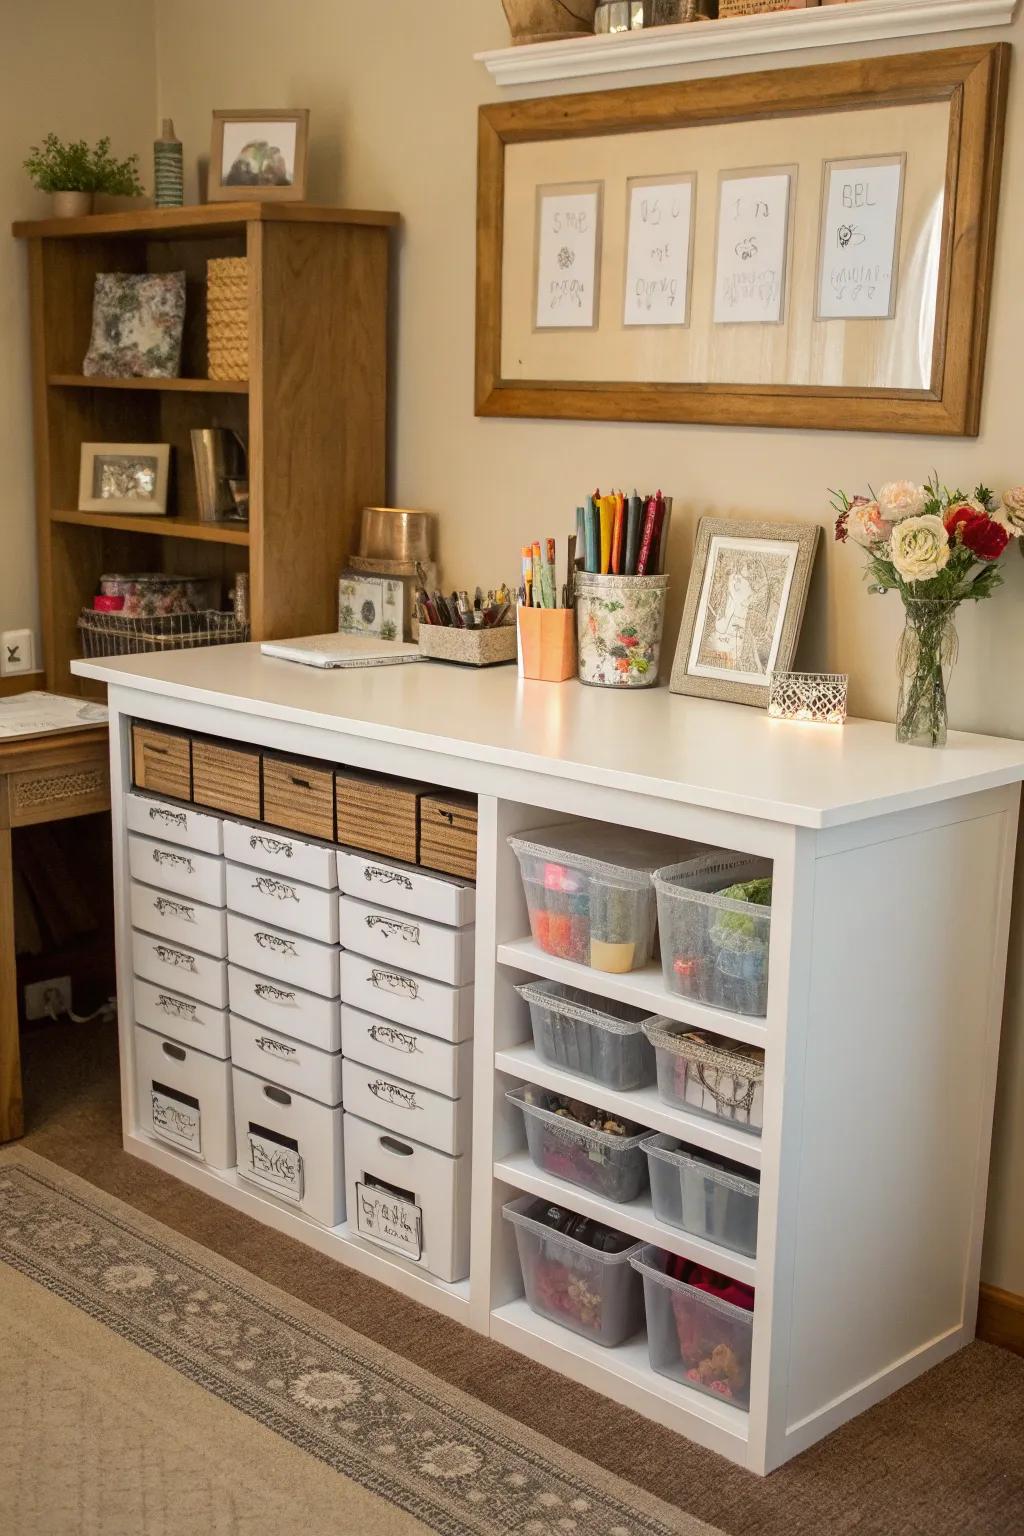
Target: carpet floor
943,1457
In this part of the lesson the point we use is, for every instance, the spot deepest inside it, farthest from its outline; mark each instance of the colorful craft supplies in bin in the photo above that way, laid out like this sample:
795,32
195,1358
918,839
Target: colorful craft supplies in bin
594,1036
590,893
700,1325
709,1196
577,1272
720,1078
714,918
583,1145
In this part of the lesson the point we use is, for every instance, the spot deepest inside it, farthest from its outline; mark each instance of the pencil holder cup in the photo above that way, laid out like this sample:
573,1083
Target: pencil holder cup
547,643
619,620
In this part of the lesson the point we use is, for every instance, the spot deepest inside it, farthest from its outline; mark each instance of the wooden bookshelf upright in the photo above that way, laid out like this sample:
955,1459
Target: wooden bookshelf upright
313,409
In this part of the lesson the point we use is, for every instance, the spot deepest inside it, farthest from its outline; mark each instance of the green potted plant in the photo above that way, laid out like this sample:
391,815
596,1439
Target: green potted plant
73,173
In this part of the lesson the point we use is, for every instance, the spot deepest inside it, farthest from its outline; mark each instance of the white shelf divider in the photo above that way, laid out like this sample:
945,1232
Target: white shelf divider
637,1218
624,1374
643,989
737,37
640,1104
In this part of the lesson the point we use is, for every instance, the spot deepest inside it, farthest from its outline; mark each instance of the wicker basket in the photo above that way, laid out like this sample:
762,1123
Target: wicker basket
114,634
227,317
758,7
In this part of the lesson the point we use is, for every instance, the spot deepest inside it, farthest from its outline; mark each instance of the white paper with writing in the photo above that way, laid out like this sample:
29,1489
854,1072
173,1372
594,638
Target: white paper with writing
388,1219
753,233
568,228
177,1121
861,207
658,252
277,1166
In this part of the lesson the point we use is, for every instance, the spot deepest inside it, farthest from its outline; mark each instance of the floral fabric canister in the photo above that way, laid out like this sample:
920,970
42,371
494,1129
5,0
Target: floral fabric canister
137,322
619,620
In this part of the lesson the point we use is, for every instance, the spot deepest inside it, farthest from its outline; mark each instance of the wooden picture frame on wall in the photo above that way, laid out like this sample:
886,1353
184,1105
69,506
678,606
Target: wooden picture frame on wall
966,87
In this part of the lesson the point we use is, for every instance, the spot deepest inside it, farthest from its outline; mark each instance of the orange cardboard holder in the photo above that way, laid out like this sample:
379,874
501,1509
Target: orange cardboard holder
547,643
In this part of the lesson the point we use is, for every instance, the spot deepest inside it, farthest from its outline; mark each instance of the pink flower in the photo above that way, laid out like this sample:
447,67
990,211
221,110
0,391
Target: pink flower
866,525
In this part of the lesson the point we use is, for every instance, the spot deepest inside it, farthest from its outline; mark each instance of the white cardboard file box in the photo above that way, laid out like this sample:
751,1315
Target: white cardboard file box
432,1187
291,1063
287,1010
181,969
179,919
429,949
414,1112
431,1006
173,823
288,957
181,1018
287,903
290,1146
184,1098
406,888
407,1053
182,870
293,858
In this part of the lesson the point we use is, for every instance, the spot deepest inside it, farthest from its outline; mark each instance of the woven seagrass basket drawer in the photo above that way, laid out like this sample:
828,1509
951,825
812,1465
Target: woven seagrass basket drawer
162,761
226,778
298,795
378,814
448,833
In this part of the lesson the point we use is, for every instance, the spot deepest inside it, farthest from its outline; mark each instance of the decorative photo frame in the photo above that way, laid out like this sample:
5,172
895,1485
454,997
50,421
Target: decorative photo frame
744,607
919,369
259,155
124,477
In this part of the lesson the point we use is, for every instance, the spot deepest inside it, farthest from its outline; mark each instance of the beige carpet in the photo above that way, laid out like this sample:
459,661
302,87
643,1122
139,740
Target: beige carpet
152,1387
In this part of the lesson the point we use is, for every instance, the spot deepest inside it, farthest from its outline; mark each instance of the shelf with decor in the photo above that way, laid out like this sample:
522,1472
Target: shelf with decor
312,372
738,37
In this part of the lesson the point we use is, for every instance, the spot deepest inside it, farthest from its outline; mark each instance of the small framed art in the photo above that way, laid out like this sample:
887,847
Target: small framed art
744,607
124,477
259,155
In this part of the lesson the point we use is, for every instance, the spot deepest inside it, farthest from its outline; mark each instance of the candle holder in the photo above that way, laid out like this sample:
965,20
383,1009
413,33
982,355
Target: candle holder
817,697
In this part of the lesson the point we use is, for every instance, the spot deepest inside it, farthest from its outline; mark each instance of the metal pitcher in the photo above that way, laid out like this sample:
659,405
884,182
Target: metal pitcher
219,456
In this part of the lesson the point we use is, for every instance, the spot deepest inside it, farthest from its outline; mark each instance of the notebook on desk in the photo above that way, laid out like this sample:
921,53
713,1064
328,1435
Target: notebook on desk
40,714
342,651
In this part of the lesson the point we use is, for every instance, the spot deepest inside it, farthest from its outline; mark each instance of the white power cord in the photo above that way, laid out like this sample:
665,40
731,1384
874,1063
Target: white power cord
106,1010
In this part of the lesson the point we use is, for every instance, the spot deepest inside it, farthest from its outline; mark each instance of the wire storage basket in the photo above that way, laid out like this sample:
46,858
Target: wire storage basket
115,634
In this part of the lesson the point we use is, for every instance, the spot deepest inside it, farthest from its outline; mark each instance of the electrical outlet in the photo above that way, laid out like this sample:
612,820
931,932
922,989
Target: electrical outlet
44,998
17,652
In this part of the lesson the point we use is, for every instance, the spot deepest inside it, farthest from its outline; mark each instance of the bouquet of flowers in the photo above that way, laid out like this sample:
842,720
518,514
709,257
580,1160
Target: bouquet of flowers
937,548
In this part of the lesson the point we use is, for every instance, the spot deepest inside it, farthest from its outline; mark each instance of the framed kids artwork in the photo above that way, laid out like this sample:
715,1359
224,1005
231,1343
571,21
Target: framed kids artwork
794,248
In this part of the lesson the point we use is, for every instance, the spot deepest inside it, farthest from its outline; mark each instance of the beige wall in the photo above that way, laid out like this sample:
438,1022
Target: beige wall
80,71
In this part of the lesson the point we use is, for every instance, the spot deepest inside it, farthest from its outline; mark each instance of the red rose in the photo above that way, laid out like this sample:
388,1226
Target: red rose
985,538
962,515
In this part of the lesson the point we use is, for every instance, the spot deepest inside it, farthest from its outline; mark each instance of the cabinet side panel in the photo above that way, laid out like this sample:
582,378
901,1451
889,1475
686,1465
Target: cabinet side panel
905,975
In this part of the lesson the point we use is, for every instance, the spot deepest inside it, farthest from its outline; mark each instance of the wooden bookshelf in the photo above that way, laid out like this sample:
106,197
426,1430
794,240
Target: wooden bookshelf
313,410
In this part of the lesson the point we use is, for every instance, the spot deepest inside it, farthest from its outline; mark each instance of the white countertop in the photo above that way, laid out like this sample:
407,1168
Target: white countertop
726,756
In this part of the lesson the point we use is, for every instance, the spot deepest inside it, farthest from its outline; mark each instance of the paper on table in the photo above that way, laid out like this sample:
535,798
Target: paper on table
658,251
753,233
39,714
342,651
568,225
862,204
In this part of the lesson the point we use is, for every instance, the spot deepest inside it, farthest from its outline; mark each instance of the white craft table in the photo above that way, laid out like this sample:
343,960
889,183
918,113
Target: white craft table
891,905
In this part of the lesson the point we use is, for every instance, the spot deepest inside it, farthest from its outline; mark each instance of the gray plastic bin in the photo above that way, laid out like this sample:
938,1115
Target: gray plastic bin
694,1337
714,949
599,1295
612,1166
708,1196
594,1036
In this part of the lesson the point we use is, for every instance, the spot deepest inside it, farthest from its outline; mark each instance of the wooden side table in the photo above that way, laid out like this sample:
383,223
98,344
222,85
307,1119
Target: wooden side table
42,778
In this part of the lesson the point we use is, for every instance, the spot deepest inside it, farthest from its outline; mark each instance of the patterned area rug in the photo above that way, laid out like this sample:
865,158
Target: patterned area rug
406,1452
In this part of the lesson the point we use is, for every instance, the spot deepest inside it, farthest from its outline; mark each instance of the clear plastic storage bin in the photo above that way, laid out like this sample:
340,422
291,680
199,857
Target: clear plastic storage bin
693,1336
610,1165
595,1036
597,1294
590,892
708,1196
713,948
720,1078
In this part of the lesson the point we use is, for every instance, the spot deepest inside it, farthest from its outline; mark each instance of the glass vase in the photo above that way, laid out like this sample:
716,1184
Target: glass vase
925,659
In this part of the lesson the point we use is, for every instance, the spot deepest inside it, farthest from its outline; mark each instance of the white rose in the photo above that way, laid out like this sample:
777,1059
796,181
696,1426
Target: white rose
1011,513
900,499
919,547
866,525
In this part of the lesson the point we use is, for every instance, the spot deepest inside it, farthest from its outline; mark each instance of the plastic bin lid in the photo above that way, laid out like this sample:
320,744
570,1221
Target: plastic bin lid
601,1012
711,1050
626,853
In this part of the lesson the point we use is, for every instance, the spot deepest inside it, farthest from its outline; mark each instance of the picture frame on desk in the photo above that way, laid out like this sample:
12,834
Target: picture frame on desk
744,607
124,477
259,155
